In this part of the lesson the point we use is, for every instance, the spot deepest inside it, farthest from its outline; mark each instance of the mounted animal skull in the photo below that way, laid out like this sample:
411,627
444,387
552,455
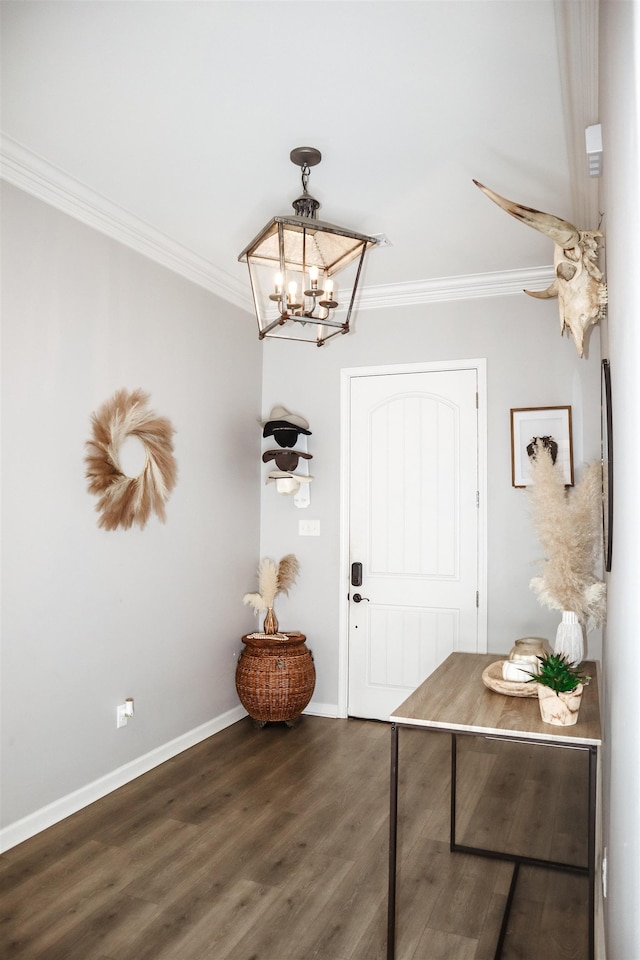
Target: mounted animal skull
579,287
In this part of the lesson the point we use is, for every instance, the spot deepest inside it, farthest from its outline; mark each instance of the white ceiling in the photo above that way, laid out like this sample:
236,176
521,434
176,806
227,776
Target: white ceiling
183,115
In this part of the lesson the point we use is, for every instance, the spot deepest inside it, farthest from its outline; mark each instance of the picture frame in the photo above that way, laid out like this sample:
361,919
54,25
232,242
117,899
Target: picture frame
607,465
528,423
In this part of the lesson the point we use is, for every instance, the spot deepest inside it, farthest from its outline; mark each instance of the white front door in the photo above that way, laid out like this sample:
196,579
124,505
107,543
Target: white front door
414,528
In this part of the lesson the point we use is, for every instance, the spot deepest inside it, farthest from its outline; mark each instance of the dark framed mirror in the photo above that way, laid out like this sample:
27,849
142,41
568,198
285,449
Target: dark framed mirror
607,464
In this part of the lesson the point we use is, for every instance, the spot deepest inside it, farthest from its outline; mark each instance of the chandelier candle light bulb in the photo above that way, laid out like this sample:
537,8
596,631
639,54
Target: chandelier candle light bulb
329,301
292,298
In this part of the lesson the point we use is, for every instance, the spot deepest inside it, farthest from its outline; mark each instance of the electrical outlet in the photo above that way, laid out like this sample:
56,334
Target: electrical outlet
121,716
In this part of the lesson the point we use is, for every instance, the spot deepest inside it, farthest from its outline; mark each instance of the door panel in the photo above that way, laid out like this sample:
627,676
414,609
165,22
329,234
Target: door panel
414,528
427,637
412,515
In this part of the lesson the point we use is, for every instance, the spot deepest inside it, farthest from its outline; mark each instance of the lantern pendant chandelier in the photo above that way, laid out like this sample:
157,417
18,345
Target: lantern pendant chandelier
294,264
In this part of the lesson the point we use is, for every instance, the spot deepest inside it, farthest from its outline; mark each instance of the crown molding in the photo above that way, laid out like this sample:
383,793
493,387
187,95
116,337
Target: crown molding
473,286
24,169
36,176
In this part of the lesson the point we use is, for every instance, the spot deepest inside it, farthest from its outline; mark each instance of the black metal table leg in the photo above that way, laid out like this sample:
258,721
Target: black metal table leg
591,847
452,819
393,845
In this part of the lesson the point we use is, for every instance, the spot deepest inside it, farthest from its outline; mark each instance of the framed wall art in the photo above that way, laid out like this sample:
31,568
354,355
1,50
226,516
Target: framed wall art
550,426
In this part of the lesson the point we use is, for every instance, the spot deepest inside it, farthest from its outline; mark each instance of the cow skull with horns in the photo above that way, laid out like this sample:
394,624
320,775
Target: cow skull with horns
579,287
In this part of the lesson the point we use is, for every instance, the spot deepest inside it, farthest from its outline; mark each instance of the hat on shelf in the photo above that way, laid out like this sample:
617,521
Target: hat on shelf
284,433
284,427
281,413
287,482
285,459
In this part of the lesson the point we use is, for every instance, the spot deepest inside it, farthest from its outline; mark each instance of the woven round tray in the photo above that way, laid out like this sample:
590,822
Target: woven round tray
492,678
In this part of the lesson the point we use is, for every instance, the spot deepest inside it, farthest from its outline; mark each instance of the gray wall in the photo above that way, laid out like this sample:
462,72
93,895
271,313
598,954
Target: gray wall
90,617
528,364
620,116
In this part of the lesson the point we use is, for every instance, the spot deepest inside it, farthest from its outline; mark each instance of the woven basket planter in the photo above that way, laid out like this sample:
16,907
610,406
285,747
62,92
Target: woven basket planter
275,677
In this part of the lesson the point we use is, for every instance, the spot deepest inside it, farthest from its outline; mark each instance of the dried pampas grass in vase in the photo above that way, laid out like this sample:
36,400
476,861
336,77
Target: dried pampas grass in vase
272,579
568,526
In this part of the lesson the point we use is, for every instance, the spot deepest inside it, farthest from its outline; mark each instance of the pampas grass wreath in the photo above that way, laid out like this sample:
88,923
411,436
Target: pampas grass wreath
127,500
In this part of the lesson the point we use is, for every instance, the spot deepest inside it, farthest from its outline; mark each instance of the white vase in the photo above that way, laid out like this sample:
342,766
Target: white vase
570,638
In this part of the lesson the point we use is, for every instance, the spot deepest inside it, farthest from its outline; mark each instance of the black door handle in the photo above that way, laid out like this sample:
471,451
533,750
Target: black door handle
358,599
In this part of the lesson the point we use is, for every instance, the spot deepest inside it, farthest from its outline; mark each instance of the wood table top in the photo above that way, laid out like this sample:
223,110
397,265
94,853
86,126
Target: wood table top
455,698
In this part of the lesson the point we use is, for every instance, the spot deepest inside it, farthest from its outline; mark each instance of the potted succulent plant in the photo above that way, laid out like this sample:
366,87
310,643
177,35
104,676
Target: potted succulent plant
560,687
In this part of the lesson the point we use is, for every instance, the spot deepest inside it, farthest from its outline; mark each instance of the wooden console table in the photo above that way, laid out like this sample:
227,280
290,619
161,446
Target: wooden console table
455,700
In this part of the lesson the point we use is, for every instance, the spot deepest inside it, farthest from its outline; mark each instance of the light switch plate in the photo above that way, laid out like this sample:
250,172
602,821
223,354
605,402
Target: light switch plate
309,528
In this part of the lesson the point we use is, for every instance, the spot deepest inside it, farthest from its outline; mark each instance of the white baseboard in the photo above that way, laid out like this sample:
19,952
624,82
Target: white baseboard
317,709
47,816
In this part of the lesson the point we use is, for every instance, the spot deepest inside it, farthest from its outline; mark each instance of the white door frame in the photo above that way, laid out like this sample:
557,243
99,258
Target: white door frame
437,366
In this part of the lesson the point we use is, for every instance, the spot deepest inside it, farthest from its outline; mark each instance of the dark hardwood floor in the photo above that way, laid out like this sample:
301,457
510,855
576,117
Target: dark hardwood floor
272,845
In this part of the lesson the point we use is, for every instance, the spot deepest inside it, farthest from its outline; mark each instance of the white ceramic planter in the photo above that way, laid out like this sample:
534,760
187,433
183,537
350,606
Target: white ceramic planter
560,709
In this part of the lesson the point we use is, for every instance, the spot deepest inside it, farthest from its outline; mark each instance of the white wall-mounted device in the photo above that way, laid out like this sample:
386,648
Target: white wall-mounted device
124,712
593,142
